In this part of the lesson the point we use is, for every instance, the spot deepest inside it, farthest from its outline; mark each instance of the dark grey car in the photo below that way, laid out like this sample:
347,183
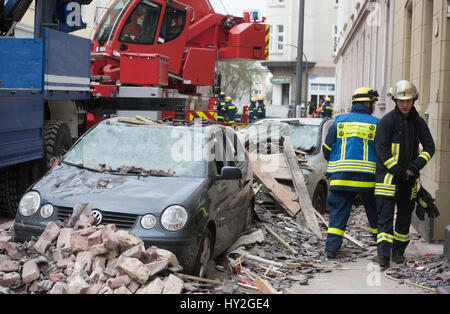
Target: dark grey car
185,189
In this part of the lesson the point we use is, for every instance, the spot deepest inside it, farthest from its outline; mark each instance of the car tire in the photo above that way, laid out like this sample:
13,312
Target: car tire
204,254
56,140
319,201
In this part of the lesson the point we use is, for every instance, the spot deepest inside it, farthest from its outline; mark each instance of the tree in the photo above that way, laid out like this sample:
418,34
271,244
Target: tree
237,77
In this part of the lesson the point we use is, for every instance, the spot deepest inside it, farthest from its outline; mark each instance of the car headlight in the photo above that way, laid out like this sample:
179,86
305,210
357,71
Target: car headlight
148,221
29,203
174,218
46,211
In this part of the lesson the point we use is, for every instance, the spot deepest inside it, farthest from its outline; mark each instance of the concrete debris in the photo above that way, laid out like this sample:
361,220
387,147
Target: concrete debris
431,271
86,259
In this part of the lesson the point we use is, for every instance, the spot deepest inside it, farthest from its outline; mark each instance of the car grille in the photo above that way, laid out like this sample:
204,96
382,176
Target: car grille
121,220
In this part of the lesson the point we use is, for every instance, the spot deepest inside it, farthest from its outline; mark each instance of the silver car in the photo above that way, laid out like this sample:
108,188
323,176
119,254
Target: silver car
308,136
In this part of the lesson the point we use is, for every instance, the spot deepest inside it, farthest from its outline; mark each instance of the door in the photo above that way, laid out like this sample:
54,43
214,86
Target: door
223,194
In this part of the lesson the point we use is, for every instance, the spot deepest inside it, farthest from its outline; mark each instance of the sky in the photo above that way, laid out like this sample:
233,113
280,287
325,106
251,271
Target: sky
237,7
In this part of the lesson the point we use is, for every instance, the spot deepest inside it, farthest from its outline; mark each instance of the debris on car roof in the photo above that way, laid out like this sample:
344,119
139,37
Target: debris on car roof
139,120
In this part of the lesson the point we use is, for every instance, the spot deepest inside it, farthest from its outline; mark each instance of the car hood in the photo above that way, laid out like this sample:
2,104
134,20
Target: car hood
66,186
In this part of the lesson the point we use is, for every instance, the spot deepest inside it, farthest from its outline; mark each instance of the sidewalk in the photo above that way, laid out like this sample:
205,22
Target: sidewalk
363,277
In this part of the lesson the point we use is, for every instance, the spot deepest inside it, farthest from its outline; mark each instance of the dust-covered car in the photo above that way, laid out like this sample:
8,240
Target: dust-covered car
184,189
307,136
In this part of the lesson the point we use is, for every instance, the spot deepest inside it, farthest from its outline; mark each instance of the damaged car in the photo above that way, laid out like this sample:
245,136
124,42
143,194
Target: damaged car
181,188
307,137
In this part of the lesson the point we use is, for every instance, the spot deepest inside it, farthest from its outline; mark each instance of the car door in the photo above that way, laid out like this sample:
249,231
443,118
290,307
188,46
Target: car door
222,194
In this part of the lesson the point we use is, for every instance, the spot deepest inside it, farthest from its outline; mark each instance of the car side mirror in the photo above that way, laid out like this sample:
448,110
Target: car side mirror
230,173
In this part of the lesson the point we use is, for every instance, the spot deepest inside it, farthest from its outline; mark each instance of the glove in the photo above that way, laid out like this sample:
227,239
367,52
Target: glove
426,204
420,212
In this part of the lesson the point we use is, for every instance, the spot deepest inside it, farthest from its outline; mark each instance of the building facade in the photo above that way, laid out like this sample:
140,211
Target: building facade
384,41
421,53
364,58
319,34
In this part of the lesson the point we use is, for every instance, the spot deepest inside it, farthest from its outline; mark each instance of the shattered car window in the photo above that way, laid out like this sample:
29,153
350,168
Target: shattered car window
172,151
305,137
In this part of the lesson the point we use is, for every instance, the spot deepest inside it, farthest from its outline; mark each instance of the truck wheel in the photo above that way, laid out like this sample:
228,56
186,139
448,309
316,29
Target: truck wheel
14,181
56,140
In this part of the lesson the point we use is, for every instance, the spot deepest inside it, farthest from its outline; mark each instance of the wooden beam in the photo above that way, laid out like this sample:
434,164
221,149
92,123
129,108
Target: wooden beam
275,189
300,187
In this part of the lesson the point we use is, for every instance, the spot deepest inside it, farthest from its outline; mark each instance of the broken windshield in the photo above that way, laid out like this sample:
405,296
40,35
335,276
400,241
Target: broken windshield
141,150
305,137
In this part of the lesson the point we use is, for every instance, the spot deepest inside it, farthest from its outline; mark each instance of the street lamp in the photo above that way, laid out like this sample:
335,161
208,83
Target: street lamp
307,75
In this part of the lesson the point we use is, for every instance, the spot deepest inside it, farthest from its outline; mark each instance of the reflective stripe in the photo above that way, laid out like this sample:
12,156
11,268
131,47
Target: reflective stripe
422,203
401,237
343,149
351,166
390,163
326,146
366,150
358,184
395,149
386,188
385,237
425,156
336,231
374,231
369,164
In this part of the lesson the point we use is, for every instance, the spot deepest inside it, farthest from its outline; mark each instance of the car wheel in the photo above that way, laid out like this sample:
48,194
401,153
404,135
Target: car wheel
320,199
204,254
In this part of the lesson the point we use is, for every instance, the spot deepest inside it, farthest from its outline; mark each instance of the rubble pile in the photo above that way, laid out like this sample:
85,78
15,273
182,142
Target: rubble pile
430,271
86,259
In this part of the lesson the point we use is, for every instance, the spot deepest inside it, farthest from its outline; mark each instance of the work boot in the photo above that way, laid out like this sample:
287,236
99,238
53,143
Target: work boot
330,254
398,259
382,261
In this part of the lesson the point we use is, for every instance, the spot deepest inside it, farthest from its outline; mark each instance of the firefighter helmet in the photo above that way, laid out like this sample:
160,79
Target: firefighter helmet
327,99
260,98
364,94
405,90
228,98
254,99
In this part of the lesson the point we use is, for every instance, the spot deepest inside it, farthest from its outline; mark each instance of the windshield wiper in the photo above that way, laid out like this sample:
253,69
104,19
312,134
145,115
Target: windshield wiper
80,165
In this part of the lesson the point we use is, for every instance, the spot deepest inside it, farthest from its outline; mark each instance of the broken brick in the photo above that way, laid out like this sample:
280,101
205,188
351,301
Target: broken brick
30,271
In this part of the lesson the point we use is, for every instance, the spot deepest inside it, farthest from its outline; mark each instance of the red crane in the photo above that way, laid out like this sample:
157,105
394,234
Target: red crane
156,51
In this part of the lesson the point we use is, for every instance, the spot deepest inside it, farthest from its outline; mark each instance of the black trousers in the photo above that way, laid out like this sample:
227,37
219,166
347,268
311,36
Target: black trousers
393,240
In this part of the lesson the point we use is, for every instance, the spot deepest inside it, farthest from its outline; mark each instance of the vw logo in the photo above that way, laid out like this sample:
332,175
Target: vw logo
98,217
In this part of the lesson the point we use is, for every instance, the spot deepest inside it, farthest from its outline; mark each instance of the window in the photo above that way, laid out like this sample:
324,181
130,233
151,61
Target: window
141,25
280,37
335,37
109,22
278,2
173,24
277,38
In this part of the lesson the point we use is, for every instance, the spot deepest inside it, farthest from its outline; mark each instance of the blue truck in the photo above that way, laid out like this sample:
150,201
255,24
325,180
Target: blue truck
41,80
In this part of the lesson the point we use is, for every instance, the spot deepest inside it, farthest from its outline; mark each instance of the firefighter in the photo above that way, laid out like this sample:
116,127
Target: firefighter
350,151
220,105
312,110
327,110
261,110
252,111
398,168
230,110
